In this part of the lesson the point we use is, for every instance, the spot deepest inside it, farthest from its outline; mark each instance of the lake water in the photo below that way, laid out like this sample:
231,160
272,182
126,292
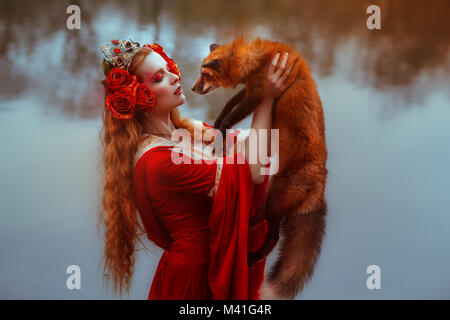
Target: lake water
387,108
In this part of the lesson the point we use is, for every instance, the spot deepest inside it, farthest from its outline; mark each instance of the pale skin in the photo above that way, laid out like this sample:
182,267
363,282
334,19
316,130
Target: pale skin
153,72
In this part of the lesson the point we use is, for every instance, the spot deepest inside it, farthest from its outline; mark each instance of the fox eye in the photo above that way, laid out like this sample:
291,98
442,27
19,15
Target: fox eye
215,65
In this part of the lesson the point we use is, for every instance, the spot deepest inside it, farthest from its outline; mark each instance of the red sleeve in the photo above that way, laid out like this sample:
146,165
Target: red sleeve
236,200
155,171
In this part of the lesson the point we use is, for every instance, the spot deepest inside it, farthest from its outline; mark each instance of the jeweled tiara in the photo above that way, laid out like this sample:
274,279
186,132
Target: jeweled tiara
120,53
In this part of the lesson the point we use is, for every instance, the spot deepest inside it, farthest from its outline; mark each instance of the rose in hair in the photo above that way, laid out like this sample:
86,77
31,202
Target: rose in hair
122,103
119,78
145,98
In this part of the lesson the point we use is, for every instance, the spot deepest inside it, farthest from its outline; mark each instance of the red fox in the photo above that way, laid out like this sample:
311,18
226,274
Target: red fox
295,203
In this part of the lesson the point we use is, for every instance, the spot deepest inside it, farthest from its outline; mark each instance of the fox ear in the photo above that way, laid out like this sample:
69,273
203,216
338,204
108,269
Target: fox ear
215,64
213,47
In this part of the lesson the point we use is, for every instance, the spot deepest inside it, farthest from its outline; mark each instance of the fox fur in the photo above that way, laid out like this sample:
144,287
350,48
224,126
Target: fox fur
295,202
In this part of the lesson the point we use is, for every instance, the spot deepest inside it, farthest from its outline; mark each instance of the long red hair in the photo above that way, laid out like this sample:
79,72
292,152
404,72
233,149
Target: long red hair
119,217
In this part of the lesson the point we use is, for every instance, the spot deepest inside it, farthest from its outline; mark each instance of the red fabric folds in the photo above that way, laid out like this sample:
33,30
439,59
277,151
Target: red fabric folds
236,200
152,224
206,240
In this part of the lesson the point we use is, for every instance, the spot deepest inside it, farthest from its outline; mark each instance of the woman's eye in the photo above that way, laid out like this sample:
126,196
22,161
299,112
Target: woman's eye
158,77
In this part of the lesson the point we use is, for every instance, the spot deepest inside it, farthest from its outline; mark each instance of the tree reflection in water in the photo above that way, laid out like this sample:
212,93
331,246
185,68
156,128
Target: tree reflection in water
408,58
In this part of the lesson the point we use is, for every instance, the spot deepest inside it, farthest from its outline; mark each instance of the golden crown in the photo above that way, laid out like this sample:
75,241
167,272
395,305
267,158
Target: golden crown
120,53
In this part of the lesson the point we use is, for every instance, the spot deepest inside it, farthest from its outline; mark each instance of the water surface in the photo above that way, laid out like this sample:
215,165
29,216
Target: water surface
386,101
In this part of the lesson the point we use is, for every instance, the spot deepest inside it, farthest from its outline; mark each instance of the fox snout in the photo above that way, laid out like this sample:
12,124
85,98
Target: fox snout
203,86
198,86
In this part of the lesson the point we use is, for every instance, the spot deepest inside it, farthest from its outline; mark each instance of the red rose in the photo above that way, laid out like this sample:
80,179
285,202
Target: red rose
157,48
122,103
145,98
120,78
172,67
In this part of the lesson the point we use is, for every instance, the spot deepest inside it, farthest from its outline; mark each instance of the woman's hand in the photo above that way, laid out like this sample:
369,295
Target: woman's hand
262,116
275,78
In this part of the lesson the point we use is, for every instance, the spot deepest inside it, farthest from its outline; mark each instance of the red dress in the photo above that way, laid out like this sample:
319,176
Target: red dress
199,213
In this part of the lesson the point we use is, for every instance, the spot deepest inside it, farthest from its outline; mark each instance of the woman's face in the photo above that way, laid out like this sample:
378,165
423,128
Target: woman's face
153,72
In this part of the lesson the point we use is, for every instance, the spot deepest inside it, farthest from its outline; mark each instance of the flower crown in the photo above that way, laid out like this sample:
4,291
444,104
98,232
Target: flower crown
125,94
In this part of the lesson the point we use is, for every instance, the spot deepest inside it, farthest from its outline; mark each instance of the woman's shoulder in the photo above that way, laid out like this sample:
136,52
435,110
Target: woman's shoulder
152,144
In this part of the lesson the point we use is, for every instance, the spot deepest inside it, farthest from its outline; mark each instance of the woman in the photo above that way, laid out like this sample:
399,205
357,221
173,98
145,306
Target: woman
197,212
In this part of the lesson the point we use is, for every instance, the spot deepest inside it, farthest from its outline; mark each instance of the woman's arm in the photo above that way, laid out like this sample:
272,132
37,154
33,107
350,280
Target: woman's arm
262,116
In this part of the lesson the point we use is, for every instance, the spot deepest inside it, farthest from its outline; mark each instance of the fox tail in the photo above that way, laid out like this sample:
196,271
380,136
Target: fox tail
300,247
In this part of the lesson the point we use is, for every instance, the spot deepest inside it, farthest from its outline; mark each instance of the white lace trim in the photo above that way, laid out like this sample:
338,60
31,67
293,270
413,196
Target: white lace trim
150,142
